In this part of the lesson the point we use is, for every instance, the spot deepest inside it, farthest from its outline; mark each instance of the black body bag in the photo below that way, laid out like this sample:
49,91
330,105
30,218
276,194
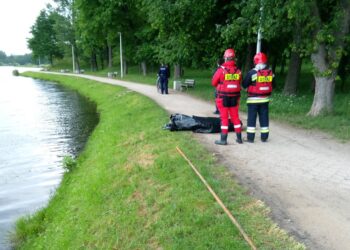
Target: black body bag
197,124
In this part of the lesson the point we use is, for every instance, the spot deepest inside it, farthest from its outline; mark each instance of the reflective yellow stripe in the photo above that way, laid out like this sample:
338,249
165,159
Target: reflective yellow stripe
232,77
264,79
254,77
264,130
250,129
258,100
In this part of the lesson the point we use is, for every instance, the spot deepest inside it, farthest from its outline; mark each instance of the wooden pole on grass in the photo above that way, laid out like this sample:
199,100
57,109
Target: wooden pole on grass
234,221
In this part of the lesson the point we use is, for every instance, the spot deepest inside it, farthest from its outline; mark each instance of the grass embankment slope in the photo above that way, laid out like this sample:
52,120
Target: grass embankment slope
131,189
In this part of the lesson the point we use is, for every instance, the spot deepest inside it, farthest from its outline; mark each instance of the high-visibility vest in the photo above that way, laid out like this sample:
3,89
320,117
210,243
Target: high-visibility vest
231,83
261,83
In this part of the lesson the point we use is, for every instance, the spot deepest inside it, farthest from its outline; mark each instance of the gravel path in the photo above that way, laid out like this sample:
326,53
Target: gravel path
303,176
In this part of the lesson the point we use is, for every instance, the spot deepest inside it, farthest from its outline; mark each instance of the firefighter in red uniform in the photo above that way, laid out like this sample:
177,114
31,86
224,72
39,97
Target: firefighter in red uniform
227,80
259,83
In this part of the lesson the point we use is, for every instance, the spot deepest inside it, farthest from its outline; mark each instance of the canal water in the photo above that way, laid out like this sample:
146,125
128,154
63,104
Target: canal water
40,123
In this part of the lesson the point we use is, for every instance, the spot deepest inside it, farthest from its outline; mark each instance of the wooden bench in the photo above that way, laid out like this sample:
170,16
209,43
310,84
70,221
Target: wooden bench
188,83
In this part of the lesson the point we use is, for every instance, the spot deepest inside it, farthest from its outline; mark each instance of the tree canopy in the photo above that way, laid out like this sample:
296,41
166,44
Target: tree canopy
44,42
196,33
15,59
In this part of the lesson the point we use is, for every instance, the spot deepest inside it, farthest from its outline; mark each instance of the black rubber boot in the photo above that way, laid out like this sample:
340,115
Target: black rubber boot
223,140
264,137
250,137
239,138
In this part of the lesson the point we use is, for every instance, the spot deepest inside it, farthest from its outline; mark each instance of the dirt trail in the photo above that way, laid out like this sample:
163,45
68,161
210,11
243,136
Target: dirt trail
303,176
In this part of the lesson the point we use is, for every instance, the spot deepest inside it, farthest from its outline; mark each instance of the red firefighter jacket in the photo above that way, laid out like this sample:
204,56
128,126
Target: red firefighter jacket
227,80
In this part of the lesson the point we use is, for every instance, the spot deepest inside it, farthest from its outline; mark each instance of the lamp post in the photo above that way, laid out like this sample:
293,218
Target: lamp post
121,55
258,42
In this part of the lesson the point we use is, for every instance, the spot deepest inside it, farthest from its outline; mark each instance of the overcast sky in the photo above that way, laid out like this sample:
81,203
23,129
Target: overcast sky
16,18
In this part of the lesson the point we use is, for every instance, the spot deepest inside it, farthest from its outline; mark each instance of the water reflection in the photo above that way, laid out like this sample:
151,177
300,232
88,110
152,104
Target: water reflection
40,123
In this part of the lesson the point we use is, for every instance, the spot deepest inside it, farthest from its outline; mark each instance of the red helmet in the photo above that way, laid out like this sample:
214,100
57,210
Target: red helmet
260,58
229,53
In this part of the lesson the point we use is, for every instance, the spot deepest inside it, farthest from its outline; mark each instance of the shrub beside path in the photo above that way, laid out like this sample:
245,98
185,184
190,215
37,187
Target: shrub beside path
302,175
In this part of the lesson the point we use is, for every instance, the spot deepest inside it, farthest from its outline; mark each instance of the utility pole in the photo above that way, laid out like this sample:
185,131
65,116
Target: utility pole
258,42
121,55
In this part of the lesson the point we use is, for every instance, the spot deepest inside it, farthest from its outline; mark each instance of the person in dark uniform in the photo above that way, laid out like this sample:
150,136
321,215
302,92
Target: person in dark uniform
164,75
259,83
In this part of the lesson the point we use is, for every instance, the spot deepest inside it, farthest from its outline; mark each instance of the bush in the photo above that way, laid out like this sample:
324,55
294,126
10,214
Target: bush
69,163
15,72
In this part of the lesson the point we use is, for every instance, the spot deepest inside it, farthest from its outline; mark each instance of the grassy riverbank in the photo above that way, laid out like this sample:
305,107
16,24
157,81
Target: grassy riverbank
130,189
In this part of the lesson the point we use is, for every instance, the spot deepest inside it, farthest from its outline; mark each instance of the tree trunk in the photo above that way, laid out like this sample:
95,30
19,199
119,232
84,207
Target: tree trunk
325,57
343,71
323,98
94,66
177,71
291,83
51,59
248,64
292,79
274,63
342,86
110,56
76,61
324,85
77,64
283,64
125,68
144,68
102,57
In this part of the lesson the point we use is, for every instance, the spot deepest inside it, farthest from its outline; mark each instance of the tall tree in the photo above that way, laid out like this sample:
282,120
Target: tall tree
3,56
90,30
44,42
100,24
184,30
298,19
293,73
65,27
332,19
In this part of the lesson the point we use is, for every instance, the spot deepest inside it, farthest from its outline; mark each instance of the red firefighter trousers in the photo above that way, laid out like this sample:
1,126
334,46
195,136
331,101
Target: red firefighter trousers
227,114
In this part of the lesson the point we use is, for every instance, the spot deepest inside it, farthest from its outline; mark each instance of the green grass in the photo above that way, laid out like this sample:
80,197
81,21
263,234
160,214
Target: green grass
130,189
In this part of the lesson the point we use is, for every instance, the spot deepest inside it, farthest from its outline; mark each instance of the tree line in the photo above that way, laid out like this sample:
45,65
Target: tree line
15,59
189,33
